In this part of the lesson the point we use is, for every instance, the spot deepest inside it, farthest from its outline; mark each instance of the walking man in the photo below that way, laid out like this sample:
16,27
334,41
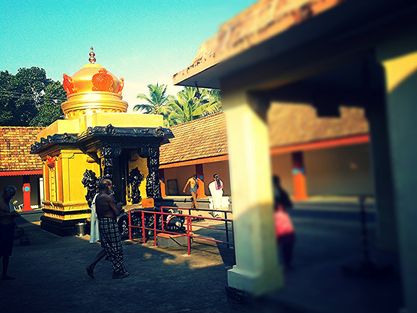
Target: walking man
109,232
193,183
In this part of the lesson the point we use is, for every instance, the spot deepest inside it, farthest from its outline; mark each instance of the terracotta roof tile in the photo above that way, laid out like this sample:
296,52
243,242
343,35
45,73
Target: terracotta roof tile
294,123
206,137
15,145
288,124
201,138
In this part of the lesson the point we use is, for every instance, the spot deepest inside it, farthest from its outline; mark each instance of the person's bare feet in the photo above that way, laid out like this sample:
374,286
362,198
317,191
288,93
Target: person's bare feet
90,271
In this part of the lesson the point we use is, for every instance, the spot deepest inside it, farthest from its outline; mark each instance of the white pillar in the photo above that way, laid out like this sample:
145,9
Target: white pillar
401,75
256,270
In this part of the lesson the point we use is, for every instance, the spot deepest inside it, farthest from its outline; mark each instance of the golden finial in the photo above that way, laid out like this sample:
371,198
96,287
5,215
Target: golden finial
92,55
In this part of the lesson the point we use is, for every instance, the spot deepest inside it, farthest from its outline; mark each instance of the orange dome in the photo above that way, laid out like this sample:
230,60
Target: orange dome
92,77
92,89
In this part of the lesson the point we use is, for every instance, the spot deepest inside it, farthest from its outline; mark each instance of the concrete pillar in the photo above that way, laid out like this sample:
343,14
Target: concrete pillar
256,270
401,73
162,183
298,176
376,112
200,175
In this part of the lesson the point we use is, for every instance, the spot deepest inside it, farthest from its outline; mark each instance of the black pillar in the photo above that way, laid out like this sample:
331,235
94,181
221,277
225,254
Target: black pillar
153,189
112,170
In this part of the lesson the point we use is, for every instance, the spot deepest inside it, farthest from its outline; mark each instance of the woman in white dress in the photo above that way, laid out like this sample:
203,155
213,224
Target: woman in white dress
216,191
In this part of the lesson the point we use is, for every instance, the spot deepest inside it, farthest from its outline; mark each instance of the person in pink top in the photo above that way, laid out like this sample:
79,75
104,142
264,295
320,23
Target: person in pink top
284,228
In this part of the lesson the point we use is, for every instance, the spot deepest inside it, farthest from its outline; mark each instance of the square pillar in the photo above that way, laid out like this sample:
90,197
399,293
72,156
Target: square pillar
299,176
376,113
257,270
401,73
201,185
162,183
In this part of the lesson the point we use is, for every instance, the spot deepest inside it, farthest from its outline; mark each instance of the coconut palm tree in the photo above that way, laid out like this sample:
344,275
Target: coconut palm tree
211,100
191,104
156,101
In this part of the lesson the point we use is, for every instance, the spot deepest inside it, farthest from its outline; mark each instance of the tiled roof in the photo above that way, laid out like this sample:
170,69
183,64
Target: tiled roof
15,145
260,22
288,124
294,124
201,138
206,137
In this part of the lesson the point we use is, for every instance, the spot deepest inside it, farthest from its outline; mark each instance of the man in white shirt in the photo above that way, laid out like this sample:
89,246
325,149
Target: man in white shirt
216,191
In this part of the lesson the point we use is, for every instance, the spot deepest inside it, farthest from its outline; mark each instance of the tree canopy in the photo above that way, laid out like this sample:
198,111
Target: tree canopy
189,104
29,98
155,102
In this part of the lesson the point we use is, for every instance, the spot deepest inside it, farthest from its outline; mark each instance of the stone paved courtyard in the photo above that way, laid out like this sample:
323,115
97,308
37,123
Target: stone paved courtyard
51,277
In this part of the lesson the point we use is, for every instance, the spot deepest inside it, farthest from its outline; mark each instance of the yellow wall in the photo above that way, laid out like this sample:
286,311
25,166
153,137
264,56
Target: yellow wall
120,120
52,178
339,171
76,126
60,127
63,183
74,164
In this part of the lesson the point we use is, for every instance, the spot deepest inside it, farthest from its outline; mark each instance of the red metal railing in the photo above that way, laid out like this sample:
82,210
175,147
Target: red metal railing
188,226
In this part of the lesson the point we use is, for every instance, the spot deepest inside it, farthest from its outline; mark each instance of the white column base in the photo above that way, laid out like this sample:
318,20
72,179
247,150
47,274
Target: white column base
255,284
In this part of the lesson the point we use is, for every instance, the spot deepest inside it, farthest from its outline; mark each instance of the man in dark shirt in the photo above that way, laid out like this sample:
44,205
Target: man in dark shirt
109,232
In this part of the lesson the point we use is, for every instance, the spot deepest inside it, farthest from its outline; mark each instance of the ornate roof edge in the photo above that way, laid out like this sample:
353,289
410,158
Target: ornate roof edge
160,133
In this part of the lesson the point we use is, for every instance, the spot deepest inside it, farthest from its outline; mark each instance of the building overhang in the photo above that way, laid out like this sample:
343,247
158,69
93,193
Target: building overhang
351,27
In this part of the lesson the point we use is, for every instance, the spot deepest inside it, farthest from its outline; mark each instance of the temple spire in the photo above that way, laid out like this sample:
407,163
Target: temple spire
92,55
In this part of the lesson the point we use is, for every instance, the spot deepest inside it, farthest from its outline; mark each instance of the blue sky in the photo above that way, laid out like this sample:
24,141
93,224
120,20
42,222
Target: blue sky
144,41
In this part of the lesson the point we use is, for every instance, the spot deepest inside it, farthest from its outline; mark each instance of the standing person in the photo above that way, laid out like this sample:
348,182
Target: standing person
284,228
109,232
193,182
281,197
7,227
94,230
216,191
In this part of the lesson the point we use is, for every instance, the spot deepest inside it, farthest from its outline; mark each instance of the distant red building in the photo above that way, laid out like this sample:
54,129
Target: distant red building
17,166
312,155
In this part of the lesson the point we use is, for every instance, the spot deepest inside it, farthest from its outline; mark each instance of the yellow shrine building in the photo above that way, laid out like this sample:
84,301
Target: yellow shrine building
97,138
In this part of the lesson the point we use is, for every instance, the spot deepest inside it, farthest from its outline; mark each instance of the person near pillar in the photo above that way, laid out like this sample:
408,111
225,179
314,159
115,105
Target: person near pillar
193,183
94,230
110,239
216,191
284,228
7,228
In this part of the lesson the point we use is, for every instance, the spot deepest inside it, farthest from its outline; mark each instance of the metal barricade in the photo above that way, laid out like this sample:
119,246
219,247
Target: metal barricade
159,216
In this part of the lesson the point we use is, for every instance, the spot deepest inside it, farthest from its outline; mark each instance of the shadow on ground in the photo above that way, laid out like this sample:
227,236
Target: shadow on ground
51,278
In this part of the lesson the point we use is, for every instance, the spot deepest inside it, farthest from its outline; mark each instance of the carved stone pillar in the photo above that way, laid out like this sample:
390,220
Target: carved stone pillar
109,154
152,182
